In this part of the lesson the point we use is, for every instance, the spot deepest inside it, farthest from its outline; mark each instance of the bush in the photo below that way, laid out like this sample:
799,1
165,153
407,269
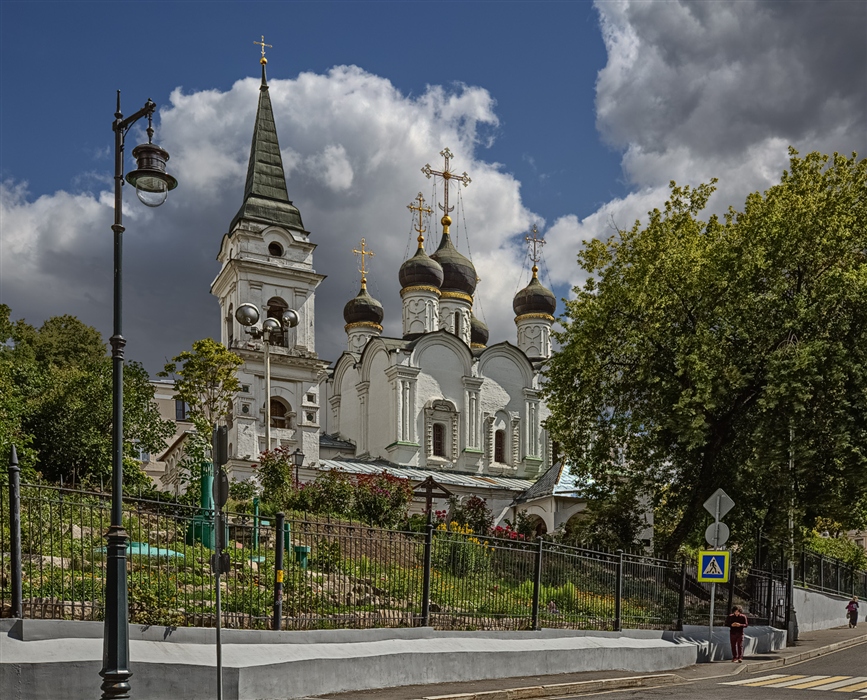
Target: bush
332,493
474,513
381,499
276,474
457,551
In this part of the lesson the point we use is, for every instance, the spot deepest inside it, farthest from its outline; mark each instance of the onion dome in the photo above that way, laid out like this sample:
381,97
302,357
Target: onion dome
459,275
534,298
363,308
420,270
478,333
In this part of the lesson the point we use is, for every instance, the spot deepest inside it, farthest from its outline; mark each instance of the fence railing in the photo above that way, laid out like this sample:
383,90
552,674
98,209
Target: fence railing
343,574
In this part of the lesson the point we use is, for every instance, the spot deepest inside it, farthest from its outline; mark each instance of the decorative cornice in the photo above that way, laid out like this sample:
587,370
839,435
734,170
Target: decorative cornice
538,317
362,324
420,288
478,346
458,295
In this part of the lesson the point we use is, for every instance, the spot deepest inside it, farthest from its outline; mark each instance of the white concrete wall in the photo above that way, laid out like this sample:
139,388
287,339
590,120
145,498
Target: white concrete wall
819,611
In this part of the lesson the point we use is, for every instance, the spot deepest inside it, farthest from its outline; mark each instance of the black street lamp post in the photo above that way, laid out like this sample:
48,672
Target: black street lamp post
152,184
298,461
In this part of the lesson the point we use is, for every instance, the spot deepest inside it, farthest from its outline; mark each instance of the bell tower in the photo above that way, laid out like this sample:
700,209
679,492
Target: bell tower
266,260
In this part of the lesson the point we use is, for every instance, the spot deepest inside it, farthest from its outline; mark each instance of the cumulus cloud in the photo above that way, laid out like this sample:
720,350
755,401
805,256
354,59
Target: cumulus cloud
353,147
698,90
690,91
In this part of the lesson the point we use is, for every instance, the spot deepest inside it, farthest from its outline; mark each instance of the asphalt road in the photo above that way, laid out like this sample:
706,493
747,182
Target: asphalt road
832,668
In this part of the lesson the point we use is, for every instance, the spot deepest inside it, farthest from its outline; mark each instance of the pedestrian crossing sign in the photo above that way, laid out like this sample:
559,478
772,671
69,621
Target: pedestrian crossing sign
713,566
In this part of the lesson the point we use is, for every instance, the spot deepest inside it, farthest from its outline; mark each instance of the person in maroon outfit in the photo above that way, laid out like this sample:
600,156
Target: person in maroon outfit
737,623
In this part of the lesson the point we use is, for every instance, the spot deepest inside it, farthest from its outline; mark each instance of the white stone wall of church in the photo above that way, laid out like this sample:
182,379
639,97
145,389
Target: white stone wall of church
381,416
349,421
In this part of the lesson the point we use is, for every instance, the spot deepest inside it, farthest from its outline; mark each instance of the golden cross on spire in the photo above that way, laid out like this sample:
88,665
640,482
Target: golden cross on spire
263,45
421,209
446,175
537,244
363,270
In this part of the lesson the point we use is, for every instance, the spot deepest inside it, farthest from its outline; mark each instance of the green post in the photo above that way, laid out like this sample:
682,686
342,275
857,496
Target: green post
201,528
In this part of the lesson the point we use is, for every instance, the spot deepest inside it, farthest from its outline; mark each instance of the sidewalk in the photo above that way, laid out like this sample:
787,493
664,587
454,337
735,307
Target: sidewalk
810,644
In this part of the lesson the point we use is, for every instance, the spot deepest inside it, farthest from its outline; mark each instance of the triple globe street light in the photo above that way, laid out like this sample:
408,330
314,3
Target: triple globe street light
152,184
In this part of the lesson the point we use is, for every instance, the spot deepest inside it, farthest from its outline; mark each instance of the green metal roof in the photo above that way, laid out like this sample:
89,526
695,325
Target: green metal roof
265,195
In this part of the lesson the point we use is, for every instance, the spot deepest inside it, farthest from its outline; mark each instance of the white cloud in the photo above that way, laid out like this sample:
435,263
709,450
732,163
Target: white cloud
691,91
699,90
353,148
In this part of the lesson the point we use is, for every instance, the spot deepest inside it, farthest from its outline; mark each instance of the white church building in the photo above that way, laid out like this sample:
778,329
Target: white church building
438,401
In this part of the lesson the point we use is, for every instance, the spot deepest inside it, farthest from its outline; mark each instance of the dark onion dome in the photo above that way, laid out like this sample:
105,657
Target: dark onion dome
459,275
420,270
478,333
534,299
363,308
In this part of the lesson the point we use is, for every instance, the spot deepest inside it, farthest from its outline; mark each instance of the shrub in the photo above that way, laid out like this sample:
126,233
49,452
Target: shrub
474,513
381,499
457,551
276,474
332,493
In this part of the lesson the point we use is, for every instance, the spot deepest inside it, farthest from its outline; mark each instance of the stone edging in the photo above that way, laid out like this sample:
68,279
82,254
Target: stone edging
561,689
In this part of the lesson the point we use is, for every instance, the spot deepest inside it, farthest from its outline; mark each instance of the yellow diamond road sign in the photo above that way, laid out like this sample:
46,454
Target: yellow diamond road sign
713,566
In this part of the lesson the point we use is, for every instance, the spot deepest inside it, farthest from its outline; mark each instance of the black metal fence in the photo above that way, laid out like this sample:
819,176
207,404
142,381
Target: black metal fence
342,574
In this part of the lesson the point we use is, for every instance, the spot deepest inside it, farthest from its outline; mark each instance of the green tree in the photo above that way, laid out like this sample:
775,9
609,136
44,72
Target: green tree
701,355
55,402
205,379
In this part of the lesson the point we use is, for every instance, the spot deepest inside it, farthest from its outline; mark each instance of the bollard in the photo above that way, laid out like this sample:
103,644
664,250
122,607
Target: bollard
278,573
618,593
15,533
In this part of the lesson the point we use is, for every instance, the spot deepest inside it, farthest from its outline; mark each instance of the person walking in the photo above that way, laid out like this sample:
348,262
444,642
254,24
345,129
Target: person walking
737,623
852,611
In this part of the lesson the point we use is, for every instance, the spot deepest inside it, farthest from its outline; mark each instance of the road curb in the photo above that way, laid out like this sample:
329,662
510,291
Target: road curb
805,655
559,689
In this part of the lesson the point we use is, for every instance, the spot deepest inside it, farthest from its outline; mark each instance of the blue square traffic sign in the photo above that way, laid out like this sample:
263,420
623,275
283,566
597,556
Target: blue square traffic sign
713,566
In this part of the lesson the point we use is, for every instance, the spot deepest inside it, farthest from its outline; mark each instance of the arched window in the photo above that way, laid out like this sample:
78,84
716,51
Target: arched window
439,440
458,323
500,446
280,417
275,308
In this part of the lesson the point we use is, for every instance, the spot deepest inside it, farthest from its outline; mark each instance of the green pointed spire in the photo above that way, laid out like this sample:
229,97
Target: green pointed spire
265,195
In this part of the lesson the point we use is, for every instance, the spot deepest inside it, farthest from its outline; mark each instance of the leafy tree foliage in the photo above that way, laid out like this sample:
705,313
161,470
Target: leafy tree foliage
205,379
706,354
55,402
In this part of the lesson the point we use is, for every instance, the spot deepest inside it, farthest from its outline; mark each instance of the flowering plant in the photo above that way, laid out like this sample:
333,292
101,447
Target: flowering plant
382,499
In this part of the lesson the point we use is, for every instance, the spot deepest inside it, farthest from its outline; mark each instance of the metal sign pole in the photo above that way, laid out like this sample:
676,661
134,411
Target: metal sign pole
218,526
715,545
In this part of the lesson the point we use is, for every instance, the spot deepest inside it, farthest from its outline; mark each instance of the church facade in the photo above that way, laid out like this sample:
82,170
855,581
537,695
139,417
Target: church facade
439,400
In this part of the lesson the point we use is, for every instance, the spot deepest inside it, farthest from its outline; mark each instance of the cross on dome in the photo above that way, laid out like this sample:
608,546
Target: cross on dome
421,209
446,175
363,252
537,244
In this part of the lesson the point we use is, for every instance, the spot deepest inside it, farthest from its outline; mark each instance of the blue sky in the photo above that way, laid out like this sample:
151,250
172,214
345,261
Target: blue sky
571,115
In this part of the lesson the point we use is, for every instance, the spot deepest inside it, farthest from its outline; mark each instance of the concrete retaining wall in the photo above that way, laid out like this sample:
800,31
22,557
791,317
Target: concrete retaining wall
759,639
819,611
34,662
